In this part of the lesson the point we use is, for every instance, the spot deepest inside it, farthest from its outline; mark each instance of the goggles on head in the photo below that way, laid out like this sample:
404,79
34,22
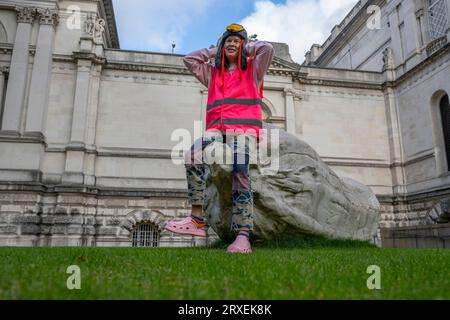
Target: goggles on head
234,27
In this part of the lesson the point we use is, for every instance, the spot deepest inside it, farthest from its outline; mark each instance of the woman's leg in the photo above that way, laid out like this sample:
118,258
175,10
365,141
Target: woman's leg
196,172
196,179
242,220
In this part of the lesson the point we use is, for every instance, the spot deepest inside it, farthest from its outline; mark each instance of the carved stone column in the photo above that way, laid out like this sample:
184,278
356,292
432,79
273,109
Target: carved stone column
15,92
41,74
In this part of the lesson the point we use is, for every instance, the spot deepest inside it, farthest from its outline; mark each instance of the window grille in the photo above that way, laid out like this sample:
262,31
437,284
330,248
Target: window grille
438,19
145,235
445,117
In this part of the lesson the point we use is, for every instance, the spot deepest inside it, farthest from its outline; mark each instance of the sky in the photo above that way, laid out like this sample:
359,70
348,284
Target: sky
154,25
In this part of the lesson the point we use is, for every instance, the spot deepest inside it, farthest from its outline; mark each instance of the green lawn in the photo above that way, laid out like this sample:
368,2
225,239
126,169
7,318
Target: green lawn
308,268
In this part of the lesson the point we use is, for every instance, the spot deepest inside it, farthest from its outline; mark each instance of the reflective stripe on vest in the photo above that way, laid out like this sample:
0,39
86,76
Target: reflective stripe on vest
248,122
242,102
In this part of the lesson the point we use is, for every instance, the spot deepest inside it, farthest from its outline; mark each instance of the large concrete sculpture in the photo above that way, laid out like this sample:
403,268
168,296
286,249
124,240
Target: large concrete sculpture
304,196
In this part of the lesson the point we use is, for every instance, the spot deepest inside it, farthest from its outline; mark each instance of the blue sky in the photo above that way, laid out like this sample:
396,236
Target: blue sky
153,25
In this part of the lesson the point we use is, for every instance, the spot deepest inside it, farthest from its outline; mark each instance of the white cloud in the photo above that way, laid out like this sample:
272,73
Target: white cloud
299,23
156,24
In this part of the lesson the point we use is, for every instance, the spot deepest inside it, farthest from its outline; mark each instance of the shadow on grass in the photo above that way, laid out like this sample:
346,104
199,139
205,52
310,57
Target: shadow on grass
301,241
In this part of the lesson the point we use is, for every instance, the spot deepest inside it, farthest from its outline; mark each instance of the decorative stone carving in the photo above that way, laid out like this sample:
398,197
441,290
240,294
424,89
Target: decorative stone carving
95,26
49,17
4,69
290,92
303,197
25,14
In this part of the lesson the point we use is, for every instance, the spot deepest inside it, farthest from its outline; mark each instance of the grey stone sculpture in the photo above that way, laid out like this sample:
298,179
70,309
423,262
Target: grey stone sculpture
304,197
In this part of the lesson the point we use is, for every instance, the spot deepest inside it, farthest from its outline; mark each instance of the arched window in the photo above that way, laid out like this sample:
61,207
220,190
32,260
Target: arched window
445,117
266,114
145,234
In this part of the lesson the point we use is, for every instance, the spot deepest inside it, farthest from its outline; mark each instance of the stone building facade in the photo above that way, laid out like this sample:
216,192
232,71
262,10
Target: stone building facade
86,128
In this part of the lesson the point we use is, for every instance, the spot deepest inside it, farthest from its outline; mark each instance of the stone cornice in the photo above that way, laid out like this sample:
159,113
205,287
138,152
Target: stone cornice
94,191
6,136
112,34
89,56
340,83
147,68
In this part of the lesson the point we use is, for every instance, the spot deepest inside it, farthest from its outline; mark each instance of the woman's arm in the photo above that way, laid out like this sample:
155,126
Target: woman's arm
262,52
197,63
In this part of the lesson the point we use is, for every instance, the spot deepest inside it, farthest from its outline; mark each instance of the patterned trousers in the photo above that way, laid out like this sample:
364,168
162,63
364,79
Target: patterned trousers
196,173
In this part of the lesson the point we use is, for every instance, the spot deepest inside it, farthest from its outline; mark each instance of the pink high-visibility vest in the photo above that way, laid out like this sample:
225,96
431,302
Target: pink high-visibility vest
237,104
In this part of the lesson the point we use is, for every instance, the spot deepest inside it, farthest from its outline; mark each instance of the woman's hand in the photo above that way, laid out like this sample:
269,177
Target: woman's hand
213,53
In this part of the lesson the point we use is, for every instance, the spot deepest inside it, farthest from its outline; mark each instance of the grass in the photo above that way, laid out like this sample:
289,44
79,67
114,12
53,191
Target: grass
302,268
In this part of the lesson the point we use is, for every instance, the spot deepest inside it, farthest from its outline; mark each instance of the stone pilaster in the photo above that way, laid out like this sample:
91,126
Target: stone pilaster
79,167
204,93
395,143
15,92
396,42
289,110
41,74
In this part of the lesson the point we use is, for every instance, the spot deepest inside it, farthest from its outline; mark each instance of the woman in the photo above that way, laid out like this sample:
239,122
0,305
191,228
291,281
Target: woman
235,86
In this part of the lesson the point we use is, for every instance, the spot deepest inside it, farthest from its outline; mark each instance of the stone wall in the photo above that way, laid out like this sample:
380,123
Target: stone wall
76,219
430,236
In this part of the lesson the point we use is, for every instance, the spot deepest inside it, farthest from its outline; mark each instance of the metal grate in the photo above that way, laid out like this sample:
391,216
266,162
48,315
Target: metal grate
145,235
438,19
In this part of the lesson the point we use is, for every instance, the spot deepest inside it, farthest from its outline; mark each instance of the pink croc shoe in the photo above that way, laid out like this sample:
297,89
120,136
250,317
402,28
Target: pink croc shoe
186,227
240,245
